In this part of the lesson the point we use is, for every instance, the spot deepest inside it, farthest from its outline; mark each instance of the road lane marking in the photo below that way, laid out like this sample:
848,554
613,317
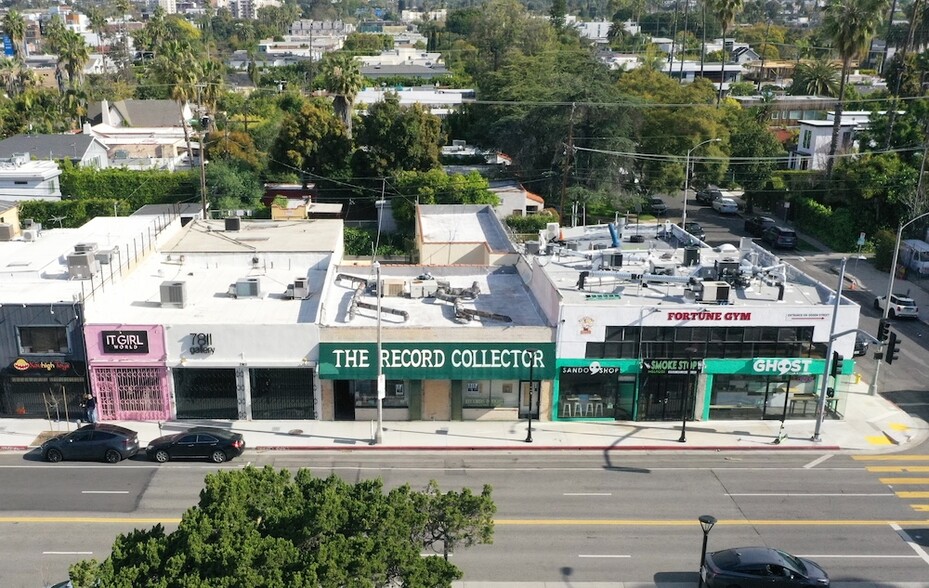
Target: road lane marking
67,553
890,457
898,469
817,461
523,522
605,556
799,494
909,541
903,480
920,507
104,492
588,493
912,494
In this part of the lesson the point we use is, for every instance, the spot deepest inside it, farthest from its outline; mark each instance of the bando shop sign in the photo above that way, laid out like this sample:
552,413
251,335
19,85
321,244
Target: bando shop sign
437,361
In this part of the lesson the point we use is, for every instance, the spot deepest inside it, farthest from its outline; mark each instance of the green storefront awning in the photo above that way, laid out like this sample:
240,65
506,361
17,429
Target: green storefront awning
438,361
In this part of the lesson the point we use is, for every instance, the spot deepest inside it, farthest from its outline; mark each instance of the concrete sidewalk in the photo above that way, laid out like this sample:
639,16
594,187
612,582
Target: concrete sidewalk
871,424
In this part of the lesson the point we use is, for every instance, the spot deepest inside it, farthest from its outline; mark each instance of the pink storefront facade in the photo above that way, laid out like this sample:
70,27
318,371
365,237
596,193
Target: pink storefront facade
128,374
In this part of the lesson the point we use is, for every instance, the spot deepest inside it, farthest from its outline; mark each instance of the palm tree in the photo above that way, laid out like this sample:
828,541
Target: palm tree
8,76
725,11
850,24
98,23
816,78
74,103
617,32
342,79
73,55
14,25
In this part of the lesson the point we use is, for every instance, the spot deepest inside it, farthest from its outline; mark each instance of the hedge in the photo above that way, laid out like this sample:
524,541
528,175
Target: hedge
136,187
838,228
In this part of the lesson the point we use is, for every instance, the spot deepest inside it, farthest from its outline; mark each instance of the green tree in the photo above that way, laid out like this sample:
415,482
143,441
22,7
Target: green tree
557,13
397,138
815,78
233,187
14,25
262,527
755,153
73,55
726,12
436,187
343,80
850,24
314,141
367,43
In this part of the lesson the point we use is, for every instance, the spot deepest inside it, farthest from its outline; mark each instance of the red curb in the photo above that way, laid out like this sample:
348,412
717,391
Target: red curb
14,447
550,448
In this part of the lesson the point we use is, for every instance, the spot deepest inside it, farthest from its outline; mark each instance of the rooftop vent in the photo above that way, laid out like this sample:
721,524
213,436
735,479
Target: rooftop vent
85,248
174,294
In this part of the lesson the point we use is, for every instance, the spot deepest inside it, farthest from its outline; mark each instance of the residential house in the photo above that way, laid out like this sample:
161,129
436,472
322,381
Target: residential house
21,178
688,71
440,102
402,56
81,150
785,111
812,150
423,72
138,113
515,199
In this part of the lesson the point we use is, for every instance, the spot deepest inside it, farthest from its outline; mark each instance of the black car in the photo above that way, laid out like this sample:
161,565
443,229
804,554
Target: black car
210,443
861,345
696,230
657,206
99,441
756,225
757,567
780,237
708,195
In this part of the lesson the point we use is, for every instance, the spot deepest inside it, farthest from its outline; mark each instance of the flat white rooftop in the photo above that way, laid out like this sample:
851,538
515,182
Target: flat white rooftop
462,224
502,293
255,236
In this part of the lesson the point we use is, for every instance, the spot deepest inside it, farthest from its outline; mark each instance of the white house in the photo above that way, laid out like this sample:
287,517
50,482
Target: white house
81,150
438,101
21,178
402,56
815,138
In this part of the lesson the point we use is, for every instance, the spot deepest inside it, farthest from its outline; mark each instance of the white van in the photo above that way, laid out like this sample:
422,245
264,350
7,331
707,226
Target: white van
914,255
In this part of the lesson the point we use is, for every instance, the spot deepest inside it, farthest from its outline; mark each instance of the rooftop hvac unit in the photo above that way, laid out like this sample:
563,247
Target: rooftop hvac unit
392,287
104,257
713,292
616,260
174,294
246,288
301,287
423,288
82,265
28,223
233,223
6,232
691,256
552,231
30,235
85,248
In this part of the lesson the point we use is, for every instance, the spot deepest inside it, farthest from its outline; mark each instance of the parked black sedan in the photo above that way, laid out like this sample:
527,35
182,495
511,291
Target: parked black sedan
756,225
99,441
210,443
757,567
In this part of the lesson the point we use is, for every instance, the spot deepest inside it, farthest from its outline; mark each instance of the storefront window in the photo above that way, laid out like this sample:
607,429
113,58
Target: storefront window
769,397
366,394
43,340
587,395
489,394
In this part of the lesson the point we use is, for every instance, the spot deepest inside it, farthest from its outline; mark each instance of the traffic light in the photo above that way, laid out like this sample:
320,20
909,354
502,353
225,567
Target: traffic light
893,349
883,330
836,363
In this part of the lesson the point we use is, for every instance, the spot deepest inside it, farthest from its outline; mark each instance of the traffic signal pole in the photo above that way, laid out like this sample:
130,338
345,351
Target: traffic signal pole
821,405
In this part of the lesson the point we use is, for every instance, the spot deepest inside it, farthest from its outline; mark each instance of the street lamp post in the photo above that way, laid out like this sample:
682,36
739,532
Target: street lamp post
531,376
690,352
890,289
381,382
687,176
706,523
821,404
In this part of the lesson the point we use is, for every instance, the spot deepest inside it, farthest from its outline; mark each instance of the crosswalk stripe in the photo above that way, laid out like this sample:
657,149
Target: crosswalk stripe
899,468
890,457
912,494
903,481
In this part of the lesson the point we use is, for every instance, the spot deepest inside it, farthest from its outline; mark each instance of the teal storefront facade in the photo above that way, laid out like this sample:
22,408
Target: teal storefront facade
660,389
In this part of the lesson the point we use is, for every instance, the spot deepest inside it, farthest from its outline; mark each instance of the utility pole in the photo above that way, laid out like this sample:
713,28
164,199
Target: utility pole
203,134
569,151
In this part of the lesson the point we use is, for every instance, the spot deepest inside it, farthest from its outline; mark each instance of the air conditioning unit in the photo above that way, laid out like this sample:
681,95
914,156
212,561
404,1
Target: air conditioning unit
30,235
710,291
173,294
552,231
6,232
104,257
301,287
233,223
82,265
85,248
246,288
392,286
28,223
423,288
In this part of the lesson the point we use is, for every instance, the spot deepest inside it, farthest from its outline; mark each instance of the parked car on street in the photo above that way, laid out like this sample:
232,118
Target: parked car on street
657,206
217,445
96,442
780,237
708,195
756,225
901,305
725,205
695,229
757,567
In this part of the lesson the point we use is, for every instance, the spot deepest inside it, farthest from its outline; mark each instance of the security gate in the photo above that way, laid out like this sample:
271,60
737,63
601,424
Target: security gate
282,393
206,393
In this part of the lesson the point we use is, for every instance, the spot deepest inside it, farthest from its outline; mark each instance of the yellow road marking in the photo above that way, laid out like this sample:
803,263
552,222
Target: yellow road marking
904,480
912,494
899,427
890,457
878,440
516,522
920,507
899,468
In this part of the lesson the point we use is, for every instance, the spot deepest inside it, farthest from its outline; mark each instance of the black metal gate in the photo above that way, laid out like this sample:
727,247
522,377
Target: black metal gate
206,393
282,393
663,398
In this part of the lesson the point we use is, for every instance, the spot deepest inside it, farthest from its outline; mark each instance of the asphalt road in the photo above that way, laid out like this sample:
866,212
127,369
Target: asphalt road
560,516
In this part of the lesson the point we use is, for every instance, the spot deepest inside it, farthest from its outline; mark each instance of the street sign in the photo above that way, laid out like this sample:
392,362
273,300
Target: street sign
861,240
